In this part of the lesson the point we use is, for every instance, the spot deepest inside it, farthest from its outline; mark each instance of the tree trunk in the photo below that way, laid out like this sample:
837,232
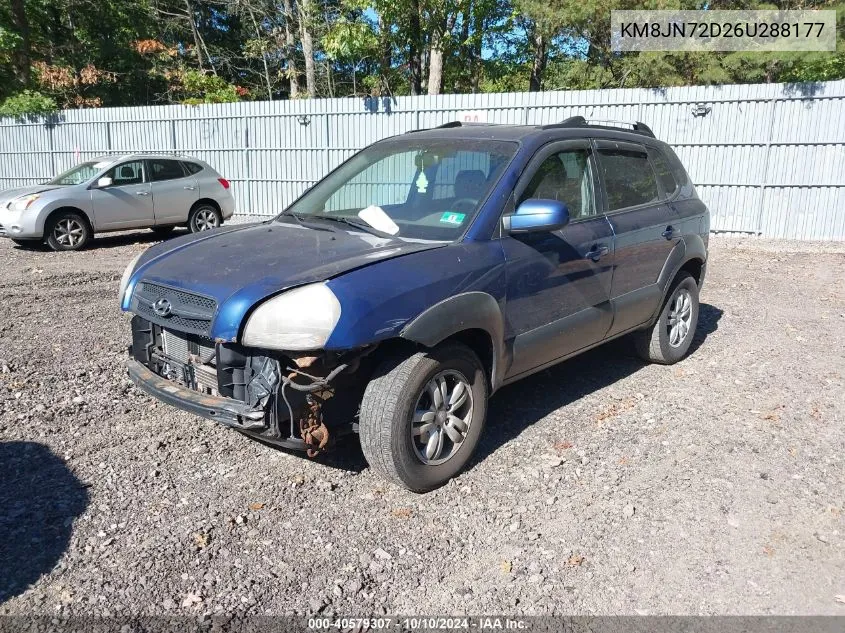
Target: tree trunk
307,46
290,50
415,48
476,68
197,45
386,51
535,83
435,64
435,56
263,57
21,56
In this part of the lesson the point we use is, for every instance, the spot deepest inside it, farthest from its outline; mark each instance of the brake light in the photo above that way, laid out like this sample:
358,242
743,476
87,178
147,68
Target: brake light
223,182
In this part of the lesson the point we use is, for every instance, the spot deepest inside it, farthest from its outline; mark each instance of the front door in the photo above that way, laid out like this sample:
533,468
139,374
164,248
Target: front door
127,203
558,297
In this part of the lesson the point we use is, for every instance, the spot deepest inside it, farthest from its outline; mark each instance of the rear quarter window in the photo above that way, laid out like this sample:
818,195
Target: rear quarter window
663,171
192,168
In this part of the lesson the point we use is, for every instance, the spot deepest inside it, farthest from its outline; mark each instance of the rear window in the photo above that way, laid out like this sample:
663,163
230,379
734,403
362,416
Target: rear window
628,177
192,168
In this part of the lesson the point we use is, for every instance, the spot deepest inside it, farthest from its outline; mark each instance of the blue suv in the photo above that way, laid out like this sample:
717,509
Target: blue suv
423,274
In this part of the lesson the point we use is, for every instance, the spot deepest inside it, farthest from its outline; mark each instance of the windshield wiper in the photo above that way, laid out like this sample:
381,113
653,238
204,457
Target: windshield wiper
304,220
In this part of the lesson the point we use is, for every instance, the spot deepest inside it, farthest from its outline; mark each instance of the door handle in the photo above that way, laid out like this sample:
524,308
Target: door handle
189,188
142,193
597,253
669,233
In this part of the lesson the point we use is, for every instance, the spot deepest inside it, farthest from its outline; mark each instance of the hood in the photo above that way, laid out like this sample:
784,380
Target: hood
10,194
242,265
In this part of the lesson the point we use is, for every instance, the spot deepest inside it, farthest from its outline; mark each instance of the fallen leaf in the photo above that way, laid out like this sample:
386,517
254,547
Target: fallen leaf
201,540
623,461
563,445
507,566
256,506
768,550
575,560
401,513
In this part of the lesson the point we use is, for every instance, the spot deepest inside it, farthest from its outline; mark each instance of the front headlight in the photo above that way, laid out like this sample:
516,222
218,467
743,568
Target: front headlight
127,274
24,202
299,319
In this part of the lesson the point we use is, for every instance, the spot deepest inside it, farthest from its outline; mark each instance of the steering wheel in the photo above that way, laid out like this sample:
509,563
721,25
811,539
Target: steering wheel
472,202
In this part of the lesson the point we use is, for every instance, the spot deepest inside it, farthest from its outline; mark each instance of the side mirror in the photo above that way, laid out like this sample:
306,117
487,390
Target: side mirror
537,214
104,182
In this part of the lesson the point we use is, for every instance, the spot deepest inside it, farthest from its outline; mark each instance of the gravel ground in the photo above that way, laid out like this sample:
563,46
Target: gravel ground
602,486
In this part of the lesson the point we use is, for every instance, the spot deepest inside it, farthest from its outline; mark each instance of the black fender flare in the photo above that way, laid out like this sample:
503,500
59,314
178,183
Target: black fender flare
466,311
689,248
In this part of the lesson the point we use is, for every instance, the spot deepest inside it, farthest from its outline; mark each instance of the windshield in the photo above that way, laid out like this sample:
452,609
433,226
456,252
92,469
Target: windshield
428,189
79,174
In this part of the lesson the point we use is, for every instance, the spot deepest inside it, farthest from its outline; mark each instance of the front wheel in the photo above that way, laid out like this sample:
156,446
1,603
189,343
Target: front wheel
68,231
669,339
422,415
204,218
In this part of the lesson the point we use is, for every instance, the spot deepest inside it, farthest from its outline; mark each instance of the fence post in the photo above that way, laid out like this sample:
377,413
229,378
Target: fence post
108,137
173,135
766,159
327,160
248,169
50,144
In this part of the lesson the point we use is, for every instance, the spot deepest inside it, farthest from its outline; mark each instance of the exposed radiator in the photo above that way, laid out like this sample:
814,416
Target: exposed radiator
198,352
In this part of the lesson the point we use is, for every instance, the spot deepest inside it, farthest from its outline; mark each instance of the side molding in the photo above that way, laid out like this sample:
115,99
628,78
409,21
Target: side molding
466,311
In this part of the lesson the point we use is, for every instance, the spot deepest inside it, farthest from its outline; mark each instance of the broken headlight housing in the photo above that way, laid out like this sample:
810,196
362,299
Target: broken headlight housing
299,319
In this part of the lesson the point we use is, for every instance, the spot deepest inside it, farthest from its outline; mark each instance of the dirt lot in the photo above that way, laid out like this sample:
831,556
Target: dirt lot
602,486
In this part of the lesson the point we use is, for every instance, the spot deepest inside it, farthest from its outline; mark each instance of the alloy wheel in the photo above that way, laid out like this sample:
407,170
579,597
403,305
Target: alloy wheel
206,219
442,417
69,232
679,318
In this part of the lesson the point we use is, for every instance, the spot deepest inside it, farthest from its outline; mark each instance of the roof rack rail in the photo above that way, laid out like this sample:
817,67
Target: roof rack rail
578,121
437,127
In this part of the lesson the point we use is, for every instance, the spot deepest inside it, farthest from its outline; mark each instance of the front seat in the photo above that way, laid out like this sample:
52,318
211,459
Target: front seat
470,183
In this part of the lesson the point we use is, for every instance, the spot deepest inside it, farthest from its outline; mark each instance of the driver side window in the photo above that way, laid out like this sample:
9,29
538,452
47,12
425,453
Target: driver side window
127,174
566,176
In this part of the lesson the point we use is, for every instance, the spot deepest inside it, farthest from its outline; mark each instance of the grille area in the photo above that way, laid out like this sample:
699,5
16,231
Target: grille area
190,313
194,360
184,298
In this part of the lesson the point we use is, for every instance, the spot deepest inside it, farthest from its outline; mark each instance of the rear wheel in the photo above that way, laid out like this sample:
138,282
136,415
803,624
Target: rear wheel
669,339
204,217
422,415
68,231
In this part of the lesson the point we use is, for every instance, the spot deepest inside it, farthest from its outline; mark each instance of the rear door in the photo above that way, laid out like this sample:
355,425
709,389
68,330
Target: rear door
558,296
644,226
174,190
127,203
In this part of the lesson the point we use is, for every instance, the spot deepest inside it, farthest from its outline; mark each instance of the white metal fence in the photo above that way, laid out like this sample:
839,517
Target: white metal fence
768,159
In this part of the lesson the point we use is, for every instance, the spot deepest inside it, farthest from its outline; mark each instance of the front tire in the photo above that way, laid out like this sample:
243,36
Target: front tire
204,217
422,416
68,231
669,339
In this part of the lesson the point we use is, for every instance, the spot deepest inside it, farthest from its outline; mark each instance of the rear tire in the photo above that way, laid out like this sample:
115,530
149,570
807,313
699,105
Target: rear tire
204,217
669,339
402,396
68,231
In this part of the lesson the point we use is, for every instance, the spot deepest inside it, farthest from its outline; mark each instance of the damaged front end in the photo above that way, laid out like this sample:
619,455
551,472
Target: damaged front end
298,402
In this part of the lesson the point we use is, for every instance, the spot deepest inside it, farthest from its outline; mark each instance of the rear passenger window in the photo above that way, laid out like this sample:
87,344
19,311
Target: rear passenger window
628,177
166,169
192,168
664,172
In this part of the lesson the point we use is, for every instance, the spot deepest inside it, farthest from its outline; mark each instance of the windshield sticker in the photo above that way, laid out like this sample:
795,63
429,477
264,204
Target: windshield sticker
422,183
455,219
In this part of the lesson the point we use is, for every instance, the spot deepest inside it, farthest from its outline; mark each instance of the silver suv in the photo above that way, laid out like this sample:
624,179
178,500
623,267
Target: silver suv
115,193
